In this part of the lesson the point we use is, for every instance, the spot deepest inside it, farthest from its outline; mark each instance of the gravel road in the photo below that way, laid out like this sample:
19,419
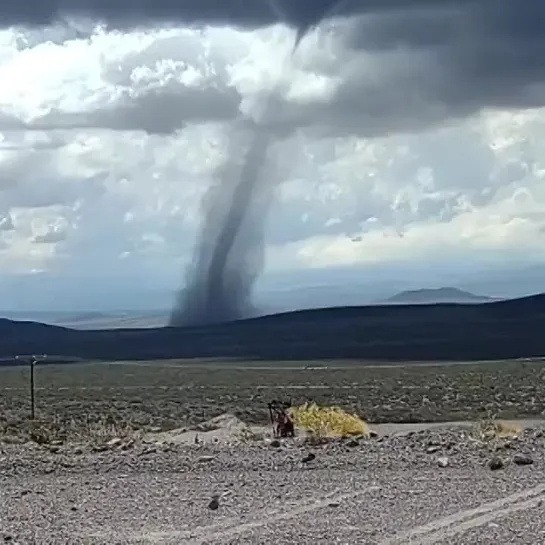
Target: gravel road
427,487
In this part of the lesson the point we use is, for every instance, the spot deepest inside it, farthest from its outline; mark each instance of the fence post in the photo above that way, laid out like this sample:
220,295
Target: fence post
32,362
32,397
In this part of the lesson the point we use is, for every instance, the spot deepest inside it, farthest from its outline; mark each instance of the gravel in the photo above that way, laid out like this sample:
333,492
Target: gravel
362,491
516,529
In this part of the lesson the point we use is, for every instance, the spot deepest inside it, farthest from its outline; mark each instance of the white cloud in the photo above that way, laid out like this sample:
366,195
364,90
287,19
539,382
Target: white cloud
109,141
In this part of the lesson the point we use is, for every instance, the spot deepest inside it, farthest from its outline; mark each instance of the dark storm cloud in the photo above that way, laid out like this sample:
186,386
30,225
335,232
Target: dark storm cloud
505,39
249,13
437,60
427,65
442,59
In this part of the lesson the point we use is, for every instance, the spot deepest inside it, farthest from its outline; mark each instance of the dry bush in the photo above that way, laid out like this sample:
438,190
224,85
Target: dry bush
103,430
489,429
322,423
45,431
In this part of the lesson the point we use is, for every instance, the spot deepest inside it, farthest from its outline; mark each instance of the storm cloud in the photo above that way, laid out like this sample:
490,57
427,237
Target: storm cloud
245,13
394,66
406,70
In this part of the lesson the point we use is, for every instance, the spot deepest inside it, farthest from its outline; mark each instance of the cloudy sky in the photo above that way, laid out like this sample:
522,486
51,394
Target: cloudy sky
412,134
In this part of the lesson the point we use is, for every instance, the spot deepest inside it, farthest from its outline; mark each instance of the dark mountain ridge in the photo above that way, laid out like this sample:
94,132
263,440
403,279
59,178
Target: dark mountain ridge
442,332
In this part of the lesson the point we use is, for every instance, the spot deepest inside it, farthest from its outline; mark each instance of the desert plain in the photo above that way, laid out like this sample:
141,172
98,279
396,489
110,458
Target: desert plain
180,452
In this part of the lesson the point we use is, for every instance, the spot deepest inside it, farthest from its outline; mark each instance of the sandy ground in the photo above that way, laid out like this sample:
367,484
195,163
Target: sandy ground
227,427
414,487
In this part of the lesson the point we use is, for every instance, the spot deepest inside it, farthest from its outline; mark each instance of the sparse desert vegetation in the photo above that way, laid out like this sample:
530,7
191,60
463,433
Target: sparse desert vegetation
118,399
87,471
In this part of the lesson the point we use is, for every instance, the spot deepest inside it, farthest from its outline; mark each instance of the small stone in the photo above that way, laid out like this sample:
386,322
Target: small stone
333,504
433,449
214,503
308,458
148,450
115,442
275,443
54,449
373,434
206,458
8,538
353,443
522,460
128,445
73,508
496,463
78,451
443,461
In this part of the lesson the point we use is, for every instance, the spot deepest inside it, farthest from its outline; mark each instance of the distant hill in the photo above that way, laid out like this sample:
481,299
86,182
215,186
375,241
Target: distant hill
436,296
498,330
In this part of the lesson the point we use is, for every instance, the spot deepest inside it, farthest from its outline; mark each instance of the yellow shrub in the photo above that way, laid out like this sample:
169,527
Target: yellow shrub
496,429
327,421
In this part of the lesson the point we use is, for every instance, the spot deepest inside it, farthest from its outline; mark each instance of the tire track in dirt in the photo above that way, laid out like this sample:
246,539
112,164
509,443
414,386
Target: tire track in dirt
428,534
209,537
462,521
218,533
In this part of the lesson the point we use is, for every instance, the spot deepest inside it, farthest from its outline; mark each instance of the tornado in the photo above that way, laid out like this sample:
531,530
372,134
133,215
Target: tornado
230,251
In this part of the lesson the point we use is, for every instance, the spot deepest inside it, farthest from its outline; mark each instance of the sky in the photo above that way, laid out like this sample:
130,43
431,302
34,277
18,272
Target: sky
402,133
